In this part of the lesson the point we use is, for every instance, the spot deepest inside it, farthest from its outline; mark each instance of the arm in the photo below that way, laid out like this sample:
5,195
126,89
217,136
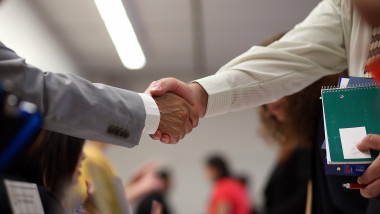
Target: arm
143,182
313,49
74,106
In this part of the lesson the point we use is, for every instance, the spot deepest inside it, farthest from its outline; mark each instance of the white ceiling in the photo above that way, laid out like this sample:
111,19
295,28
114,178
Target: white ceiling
166,32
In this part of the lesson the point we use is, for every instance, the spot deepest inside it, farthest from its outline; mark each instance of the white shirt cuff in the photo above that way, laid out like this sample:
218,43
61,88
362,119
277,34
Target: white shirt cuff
152,119
219,94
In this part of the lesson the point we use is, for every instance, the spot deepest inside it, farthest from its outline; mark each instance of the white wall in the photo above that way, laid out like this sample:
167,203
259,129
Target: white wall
22,30
234,135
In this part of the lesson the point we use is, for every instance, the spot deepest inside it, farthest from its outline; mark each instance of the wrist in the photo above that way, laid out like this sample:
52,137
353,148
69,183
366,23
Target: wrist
201,97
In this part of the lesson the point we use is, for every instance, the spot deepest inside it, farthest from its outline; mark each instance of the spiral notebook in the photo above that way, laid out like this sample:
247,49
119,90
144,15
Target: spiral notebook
350,114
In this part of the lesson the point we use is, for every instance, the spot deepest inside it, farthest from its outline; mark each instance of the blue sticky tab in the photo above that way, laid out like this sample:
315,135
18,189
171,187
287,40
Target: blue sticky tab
324,145
357,81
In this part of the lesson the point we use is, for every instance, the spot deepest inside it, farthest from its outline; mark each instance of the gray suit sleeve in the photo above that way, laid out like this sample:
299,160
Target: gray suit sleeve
74,106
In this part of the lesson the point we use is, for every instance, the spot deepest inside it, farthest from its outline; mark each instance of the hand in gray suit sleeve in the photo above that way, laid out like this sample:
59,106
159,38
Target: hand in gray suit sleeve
74,106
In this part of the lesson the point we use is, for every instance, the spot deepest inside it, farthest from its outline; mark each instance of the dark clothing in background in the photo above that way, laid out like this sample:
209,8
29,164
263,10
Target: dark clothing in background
286,190
145,206
328,194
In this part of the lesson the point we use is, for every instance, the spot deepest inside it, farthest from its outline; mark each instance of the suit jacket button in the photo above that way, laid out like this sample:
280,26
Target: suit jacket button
124,133
111,129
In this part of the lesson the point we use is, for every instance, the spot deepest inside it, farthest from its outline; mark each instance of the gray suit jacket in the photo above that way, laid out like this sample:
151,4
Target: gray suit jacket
74,106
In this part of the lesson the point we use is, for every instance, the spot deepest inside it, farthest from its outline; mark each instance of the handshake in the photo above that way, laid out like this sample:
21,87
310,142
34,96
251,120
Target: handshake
180,105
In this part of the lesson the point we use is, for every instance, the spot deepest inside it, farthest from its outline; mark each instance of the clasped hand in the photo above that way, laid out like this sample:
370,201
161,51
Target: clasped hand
180,107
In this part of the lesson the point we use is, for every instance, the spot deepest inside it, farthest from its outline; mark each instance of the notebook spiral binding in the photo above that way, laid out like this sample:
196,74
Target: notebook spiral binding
326,89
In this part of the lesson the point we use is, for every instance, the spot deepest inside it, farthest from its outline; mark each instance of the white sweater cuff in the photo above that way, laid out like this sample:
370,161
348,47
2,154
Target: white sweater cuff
152,119
219,94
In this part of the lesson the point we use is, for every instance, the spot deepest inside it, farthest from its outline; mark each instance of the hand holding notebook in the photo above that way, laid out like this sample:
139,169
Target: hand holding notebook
371,177
366,103
350,114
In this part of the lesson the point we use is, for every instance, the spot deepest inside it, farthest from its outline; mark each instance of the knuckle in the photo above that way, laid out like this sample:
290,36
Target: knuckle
184,115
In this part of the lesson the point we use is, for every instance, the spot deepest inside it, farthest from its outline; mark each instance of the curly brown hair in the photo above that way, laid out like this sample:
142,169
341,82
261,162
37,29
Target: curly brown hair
301,110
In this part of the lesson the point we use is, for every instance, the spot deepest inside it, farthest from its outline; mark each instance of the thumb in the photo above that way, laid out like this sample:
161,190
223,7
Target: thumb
174,86
162,86
371,141
152,85
178,88
89,188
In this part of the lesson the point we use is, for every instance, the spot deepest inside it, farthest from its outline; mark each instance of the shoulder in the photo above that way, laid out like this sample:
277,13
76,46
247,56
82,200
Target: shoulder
7,54
227,185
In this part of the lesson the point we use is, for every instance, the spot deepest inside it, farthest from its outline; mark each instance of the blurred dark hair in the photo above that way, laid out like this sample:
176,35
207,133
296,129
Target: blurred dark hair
49,161
218,162
243,179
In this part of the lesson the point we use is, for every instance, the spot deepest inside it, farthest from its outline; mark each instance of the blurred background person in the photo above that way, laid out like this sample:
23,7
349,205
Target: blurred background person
52,162
369,9
245,181
145,206
143,181
229,196
291,123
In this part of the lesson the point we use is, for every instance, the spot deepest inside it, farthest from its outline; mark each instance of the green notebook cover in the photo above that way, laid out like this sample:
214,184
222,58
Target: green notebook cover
349,108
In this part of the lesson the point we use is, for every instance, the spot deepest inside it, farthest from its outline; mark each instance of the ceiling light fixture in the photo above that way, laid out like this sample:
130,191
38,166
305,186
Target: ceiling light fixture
122,34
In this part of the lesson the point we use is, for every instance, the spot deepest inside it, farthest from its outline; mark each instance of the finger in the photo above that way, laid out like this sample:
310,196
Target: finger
171,140
372,173
371,141
372,190
183,131
89,188
193,116
88,185
157,135
188,127
147,91
165,85
165,139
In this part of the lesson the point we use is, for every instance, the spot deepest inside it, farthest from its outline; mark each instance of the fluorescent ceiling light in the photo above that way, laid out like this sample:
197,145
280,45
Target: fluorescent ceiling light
122,34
